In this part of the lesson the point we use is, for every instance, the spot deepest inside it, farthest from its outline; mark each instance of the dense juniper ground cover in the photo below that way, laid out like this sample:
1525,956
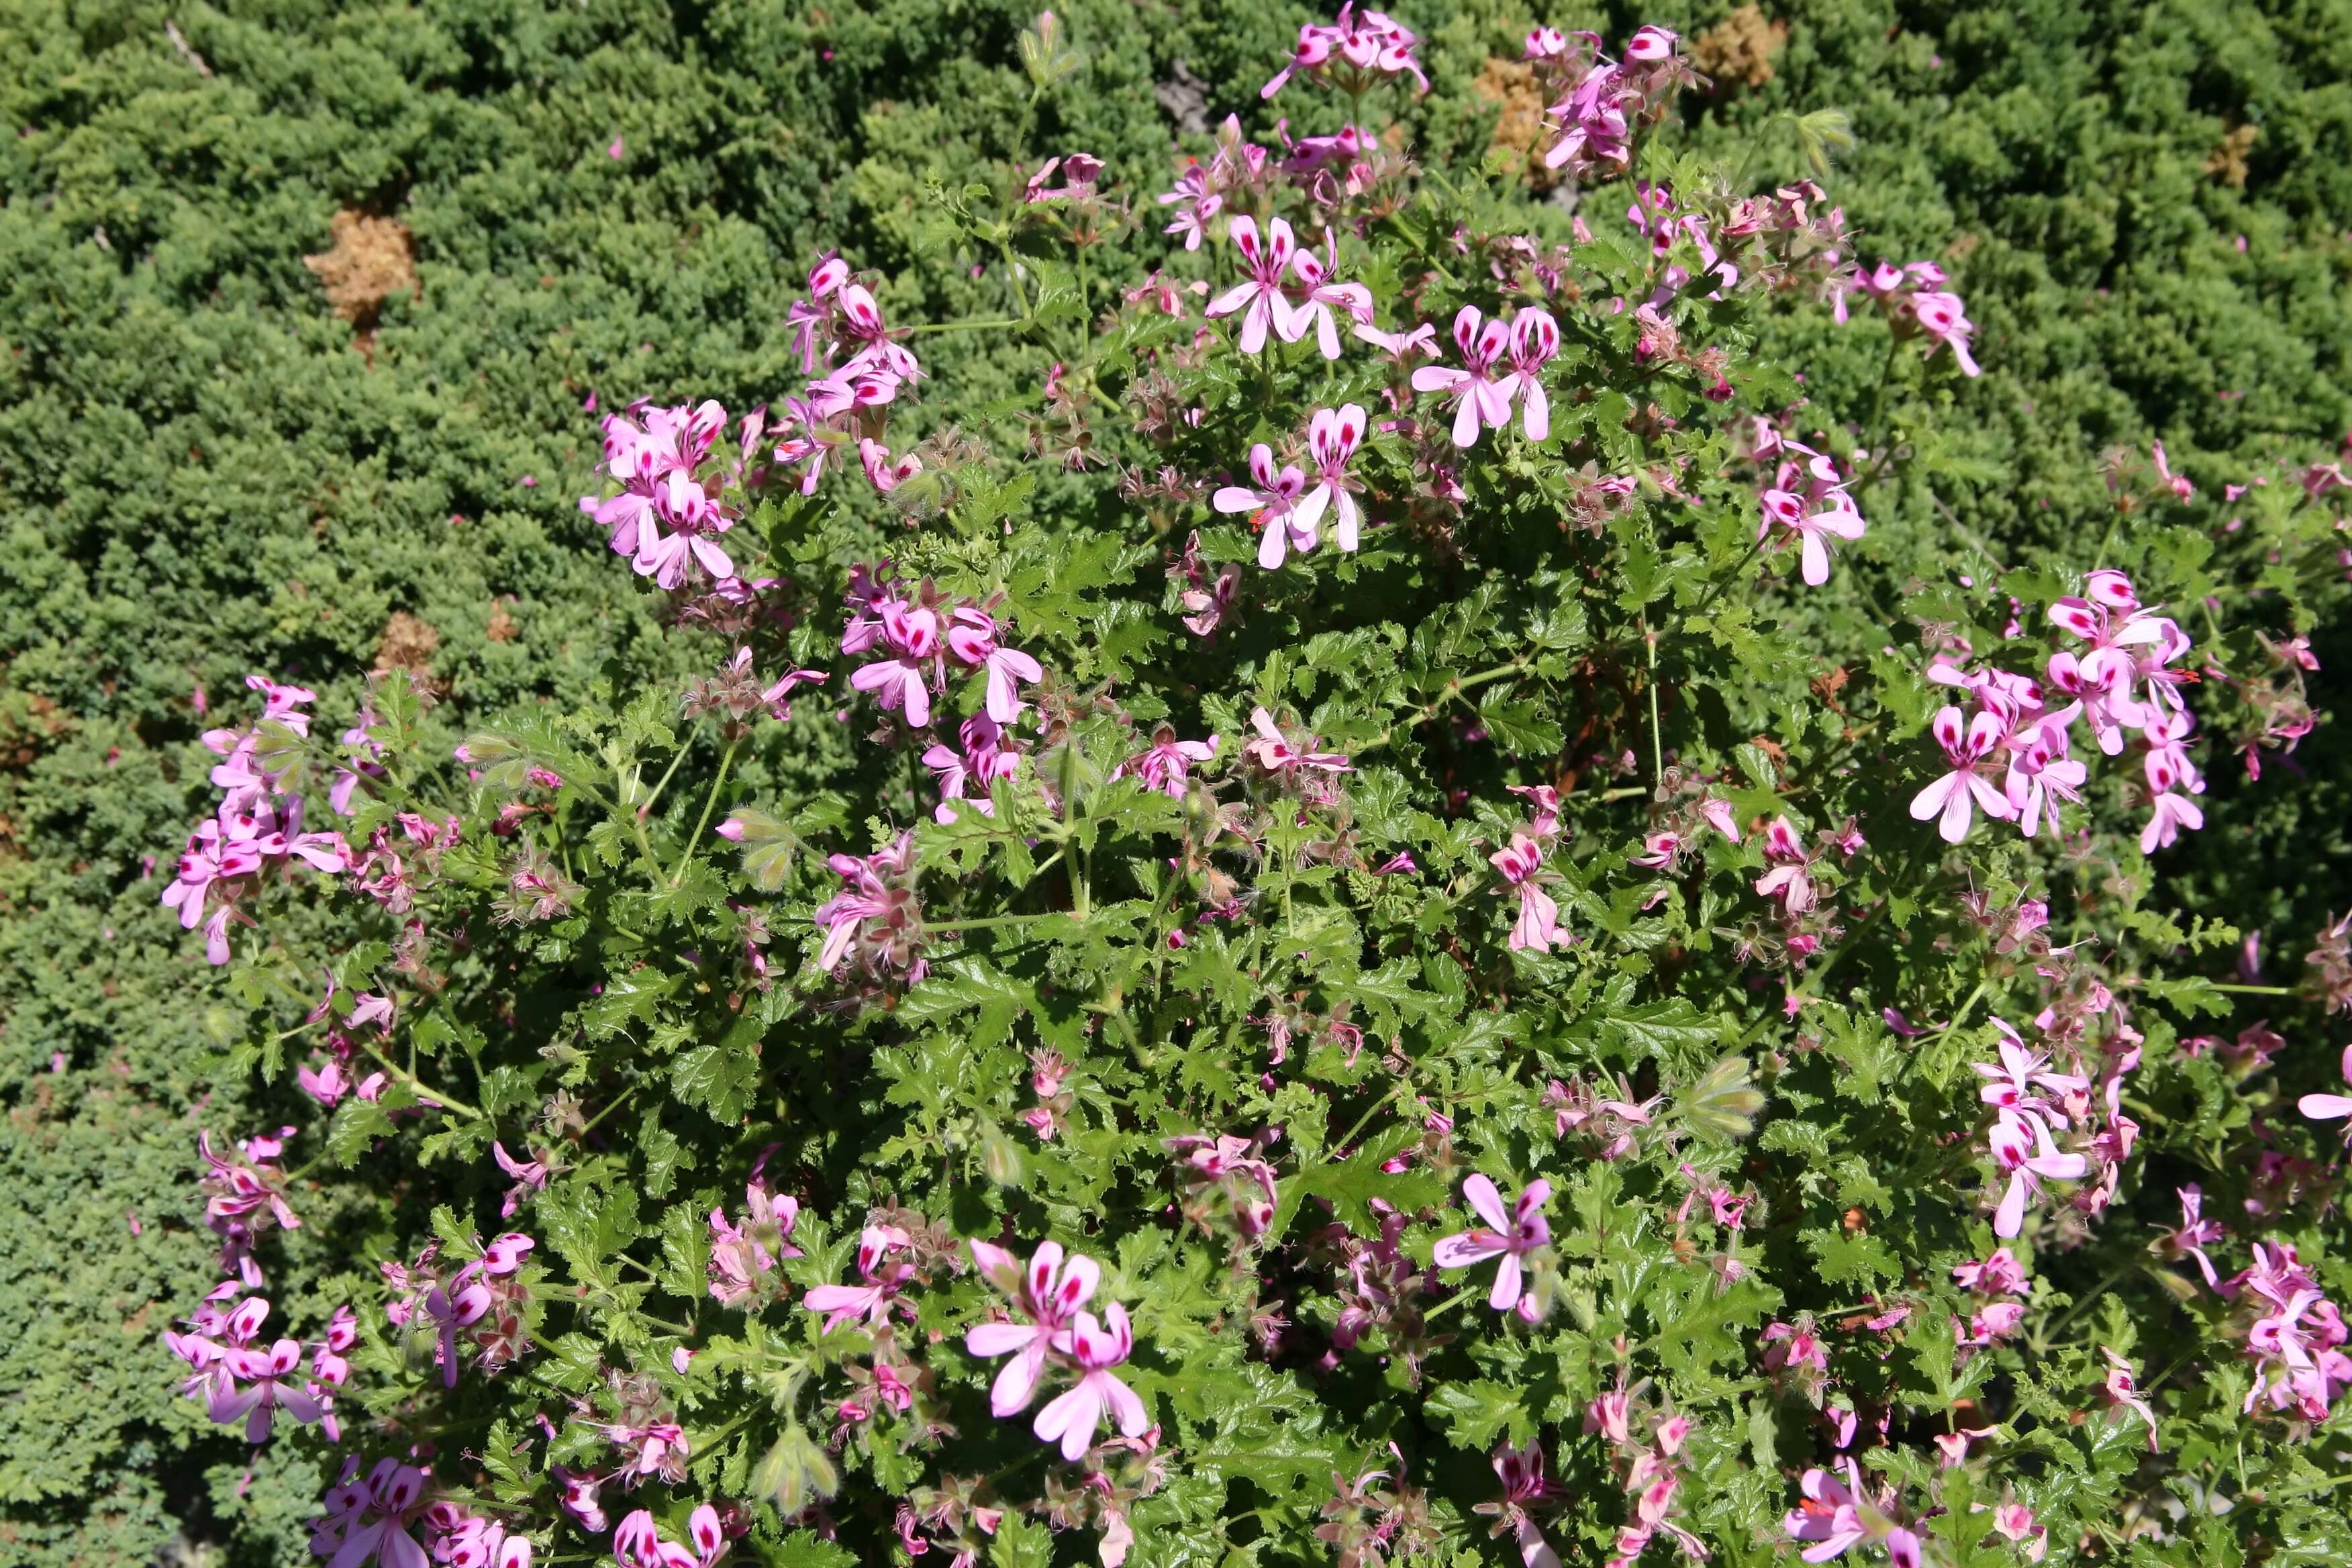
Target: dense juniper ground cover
305,309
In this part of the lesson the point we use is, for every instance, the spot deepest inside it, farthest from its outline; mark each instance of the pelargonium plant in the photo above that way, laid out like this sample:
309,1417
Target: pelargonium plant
1372,925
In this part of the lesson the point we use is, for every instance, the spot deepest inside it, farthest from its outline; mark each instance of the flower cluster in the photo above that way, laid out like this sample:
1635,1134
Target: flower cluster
1806,502
2124,678
488,1301
1352,53
679,494
1220,950
1277,269
1049,1326
1600,105
919,634
1915,304
1650,1455
241,1378
255,833
2293,1335
846,400
1284,508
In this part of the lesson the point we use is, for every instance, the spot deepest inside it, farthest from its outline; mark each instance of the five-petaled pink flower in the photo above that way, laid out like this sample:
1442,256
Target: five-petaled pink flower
1537,925
1968,746
1332,437
1259,297
1511,1236
1274,505
1093,1347
1313,312
1164,764
1047,1296
1479,396
883,1278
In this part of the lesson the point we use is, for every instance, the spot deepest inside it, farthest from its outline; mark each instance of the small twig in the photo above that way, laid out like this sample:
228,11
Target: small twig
187,50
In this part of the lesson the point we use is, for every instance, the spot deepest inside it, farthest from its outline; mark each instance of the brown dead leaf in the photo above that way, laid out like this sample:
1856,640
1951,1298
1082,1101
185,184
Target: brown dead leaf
2228,160
1740,48
372,259
1512,85
407,642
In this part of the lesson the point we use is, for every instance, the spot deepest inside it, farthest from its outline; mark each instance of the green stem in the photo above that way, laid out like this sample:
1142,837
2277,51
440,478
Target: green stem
611,1106
962,326
710,803
422,1090
1081,894
986,922
1012,276
1365,1119
1657,745
2258,990
1456,688
645,806
1442,1307
1737,574
1878,401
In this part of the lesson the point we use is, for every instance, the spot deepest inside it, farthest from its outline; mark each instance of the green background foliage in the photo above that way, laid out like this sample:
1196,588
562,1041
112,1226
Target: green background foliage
201,475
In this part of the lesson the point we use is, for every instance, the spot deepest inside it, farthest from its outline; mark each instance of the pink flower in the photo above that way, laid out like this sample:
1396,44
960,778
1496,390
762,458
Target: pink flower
2123,1394
2011,1087
637,1541
1809,501
1511,1236
875,912
2195,1232
1789,877
1828,1518
1534,339
873,1299
1351,53
1315,310
971,637
1524,1487
741,1259
1332,437
1094,1348
983,760
1195,205
898,684
2014,1521
1260,297
1941,317
1274,505
1164,764
1294,763
2327,1107
374,1520
2171,814
2040,774
2021,1149
1047,1296
1834,1518
272,1382
1401,347
1538,926
1968,746
880,471
529,1176
1479,397
2000,1275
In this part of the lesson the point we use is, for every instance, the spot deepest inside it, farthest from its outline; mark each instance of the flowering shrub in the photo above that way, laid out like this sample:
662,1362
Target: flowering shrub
1109,1143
